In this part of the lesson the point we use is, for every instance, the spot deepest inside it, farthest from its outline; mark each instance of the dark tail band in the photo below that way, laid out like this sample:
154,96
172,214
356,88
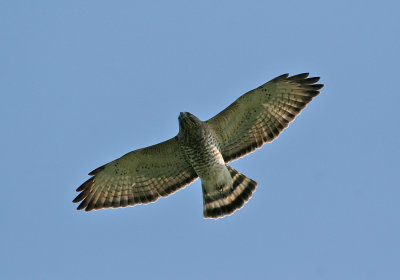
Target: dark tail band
225,201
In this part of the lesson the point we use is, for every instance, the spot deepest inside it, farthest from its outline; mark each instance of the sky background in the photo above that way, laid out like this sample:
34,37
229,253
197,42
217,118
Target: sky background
84,82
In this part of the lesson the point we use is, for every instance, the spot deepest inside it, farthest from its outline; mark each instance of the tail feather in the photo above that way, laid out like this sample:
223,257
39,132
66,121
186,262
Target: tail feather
224,201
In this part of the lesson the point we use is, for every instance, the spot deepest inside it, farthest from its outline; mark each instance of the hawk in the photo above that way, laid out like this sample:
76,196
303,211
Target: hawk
203,149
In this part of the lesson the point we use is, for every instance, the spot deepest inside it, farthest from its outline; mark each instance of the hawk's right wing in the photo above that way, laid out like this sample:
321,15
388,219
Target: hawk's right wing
141,176
260,115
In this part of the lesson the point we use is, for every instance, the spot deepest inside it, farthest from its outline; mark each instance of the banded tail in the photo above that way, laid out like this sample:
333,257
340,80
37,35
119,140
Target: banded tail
223,201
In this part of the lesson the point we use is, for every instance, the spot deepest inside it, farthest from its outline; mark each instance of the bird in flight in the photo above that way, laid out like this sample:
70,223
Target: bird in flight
203,149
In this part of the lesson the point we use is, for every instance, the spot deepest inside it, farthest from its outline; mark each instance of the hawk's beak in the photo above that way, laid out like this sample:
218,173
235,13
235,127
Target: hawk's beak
186,117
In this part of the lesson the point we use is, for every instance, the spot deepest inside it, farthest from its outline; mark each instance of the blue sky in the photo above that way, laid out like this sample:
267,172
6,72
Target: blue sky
84,82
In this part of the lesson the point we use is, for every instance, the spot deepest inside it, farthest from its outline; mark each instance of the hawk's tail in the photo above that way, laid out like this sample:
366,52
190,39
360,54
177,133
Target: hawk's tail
223,201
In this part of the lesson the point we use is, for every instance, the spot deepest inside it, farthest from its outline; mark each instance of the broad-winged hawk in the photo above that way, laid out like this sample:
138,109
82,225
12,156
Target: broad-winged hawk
203,149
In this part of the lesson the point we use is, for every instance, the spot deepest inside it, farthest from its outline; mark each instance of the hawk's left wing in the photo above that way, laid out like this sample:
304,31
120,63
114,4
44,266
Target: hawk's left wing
260,115
141,176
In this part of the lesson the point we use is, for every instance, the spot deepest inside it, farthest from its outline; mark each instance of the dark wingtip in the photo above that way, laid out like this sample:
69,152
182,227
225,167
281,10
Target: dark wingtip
308,84
97,170
85,189
317,86
281,77
310,81
80,207
84,203
81,196
297,77
85,185
78,198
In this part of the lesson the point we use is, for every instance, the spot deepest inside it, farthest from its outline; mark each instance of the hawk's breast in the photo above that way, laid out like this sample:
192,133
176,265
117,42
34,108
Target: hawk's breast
204,156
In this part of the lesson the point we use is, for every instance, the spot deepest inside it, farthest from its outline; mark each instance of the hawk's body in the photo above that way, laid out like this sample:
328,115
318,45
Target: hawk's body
224,189
203,149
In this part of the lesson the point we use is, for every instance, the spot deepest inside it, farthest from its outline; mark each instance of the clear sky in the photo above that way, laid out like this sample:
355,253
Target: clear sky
84,82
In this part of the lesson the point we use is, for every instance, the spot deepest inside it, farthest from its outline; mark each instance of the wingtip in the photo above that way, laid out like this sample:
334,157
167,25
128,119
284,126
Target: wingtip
97,170
85,185
301,78
307,83
78,208
281,77
311,80
318,86
81,206
298,77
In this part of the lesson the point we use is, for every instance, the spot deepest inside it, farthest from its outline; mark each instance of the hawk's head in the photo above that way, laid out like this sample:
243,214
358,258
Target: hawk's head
188,121
191,125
